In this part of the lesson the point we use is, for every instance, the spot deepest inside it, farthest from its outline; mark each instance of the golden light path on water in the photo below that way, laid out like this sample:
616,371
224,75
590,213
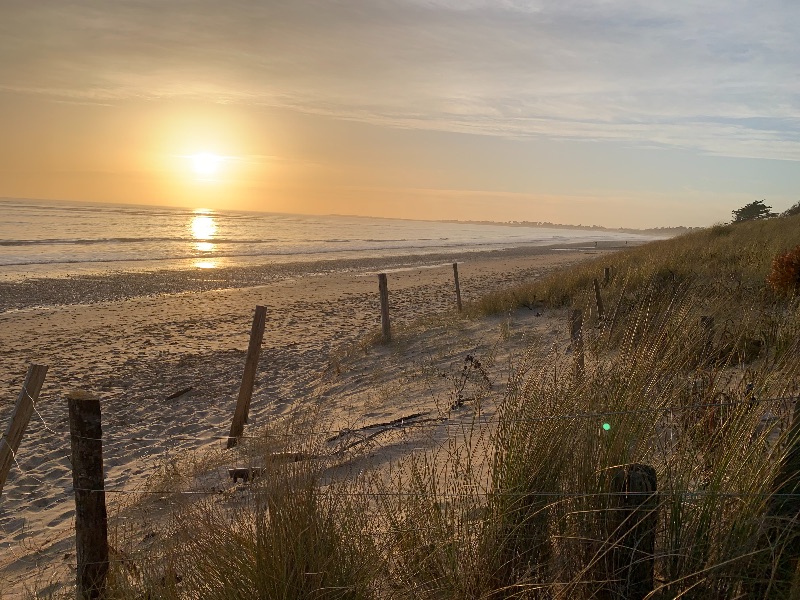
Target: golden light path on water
203,227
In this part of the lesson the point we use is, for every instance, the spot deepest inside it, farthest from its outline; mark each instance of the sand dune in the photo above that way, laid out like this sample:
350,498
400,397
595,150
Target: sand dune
136,352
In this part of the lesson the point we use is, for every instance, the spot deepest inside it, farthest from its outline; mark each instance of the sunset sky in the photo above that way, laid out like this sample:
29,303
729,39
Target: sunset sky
612,112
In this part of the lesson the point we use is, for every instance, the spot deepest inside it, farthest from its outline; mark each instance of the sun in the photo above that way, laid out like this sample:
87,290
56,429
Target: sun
206,164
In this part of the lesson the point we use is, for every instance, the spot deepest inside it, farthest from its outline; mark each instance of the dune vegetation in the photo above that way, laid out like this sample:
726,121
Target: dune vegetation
690,374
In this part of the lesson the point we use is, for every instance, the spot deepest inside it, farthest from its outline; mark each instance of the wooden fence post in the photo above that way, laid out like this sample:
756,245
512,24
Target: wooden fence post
19,419
383,286
606,275
781,535
630,521
599,300
242,411
91,527
576,336
458,287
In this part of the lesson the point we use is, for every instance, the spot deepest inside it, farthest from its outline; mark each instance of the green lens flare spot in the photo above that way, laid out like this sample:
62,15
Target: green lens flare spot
606,426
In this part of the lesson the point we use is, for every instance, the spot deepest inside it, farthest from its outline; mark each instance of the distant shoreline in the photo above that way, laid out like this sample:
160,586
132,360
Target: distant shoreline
665,231
41,240
116,285
669,231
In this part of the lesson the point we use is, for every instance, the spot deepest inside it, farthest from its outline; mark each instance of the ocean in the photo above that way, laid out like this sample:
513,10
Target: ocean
41,238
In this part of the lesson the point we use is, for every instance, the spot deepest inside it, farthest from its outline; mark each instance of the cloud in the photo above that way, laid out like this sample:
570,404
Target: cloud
719,76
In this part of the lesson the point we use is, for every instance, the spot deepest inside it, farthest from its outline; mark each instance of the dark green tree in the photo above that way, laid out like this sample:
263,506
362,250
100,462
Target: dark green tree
792,210
754,210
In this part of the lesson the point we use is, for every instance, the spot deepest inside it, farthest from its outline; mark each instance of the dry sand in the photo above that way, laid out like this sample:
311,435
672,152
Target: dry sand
136,350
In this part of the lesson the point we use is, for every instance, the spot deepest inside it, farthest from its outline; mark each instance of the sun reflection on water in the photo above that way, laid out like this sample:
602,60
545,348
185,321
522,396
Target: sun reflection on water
206,264
203,227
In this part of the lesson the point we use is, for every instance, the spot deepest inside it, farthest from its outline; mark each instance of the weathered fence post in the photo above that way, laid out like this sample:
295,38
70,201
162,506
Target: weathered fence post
599,300
458,287
606,275
242,411
383,286
630,521
19,419
781,535
576,336
91,527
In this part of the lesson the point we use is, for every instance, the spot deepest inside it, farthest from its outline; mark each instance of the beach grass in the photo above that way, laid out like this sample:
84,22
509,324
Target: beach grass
692,371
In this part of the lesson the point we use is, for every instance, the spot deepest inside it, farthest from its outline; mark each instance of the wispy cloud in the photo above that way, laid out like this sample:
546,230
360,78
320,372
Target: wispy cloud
722,76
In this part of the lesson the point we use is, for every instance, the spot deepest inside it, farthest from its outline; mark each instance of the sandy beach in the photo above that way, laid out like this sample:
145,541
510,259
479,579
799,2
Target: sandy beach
135,340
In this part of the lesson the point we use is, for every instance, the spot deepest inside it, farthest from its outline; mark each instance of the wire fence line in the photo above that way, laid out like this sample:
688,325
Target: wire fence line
484,494
133,443
751,402
399,425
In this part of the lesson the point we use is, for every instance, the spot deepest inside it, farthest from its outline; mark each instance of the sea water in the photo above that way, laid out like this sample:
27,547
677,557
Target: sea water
41,238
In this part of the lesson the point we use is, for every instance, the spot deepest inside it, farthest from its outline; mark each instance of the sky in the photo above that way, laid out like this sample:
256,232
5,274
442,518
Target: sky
611,112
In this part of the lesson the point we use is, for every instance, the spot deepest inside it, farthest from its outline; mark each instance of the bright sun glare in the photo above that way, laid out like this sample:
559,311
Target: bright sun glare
206,163
203,227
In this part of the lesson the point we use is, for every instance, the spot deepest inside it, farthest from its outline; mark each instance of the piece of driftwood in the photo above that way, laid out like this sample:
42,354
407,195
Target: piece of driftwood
392,423
247,473
179,393
387,428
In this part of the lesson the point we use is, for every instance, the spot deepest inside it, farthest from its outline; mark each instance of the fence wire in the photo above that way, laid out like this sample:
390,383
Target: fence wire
171,443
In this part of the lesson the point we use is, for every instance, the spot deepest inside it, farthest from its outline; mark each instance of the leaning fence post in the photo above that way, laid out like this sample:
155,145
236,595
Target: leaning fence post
598,299
606,275
248,377
383,286
458,287
630,521
19,419
91,527
576,336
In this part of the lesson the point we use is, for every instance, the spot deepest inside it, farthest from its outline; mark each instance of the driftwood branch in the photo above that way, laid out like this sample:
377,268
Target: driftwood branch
391,424
248,473
179,393
385,428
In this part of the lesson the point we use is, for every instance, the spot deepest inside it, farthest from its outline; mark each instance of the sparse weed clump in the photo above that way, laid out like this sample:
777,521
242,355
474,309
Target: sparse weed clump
784,277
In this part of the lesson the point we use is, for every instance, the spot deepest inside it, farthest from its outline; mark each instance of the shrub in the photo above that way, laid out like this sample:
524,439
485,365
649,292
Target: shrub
720,229
785,274
792,210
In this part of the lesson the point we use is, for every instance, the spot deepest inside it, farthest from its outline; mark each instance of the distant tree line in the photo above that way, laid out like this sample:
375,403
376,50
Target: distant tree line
549,225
